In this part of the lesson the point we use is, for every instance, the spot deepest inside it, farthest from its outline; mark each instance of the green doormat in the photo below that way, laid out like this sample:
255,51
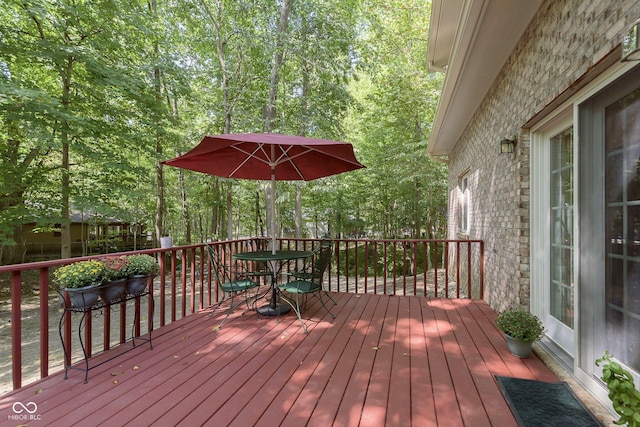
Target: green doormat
538,403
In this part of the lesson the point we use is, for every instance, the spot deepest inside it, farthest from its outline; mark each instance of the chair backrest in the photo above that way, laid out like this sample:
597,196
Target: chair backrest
259,244
307,262
219,269
321,263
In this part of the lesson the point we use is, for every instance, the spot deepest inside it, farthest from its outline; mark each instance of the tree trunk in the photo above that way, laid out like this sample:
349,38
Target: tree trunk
160,202
215,208
65,223
304,113
298,216
186,220
229,216
217,21
270,108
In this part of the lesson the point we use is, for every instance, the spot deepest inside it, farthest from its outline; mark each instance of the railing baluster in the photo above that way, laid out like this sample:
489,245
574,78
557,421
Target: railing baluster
346,266
44,321
481,270
468,269
16,328
436,263
123,322
446,270
395,267
375,268
193,280
355,263
201,273
366,266
174,307
162,258
183,283
106,328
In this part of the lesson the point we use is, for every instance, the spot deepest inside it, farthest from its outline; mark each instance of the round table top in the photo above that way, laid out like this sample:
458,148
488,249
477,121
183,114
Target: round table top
280,255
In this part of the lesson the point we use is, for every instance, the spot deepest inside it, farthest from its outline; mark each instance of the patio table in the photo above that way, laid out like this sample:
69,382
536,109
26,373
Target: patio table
276,261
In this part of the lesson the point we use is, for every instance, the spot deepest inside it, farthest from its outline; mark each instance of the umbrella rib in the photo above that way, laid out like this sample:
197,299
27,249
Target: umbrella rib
250,155
290,160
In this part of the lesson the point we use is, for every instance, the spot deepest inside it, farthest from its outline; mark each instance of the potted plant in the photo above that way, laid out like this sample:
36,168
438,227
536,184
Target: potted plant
521,328
79,282
115,276
625,398
140,268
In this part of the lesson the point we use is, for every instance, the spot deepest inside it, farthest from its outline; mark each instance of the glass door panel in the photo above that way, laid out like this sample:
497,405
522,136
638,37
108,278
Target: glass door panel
622,228
561,231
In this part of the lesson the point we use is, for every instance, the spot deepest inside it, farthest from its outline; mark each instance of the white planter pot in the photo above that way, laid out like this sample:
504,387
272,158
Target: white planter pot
166,242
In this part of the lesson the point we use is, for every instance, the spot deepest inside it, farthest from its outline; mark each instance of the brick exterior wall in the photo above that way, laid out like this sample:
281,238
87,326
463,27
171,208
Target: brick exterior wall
563,42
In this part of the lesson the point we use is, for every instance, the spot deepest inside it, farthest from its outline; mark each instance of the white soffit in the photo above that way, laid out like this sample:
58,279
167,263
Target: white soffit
442,32
486,32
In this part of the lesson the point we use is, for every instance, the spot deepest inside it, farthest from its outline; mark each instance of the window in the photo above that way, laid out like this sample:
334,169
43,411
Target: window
561,230
463,211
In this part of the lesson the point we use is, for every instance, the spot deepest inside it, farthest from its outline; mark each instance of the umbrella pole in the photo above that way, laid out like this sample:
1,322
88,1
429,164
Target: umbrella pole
273,211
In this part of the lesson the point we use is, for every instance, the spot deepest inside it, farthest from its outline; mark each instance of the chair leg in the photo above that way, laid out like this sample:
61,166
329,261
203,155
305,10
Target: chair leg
224,297
296,308
232,306
333,316
329,296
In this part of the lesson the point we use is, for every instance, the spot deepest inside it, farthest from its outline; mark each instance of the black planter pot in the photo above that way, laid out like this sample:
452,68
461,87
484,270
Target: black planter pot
137,284
114,290
82,298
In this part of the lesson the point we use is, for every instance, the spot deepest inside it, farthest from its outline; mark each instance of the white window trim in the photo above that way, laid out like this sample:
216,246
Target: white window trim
541,225
464,188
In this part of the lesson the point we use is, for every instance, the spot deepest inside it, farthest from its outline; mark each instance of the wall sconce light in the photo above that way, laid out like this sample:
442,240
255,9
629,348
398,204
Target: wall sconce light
631,43
506,146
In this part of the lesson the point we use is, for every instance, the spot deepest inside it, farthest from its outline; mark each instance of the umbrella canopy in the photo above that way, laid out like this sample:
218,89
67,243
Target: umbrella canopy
268,156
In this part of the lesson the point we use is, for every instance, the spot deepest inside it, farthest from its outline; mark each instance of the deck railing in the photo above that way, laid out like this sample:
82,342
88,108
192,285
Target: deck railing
185,285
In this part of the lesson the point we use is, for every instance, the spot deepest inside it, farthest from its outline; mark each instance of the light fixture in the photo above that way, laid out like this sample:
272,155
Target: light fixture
506,146
631,43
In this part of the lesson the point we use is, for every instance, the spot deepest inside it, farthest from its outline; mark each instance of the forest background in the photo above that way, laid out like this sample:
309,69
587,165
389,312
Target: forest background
94,94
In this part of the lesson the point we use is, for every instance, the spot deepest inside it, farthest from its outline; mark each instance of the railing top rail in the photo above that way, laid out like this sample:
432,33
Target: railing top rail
58,262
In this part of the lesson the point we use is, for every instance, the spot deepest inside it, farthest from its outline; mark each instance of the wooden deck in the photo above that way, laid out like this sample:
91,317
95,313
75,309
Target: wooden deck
384,360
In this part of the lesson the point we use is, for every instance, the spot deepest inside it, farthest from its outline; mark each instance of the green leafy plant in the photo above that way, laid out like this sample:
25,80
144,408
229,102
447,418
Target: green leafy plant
520,324
141,265
624,397
115,267
79,274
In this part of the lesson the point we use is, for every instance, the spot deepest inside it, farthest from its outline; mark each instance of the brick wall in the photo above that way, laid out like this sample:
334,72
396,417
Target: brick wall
563,42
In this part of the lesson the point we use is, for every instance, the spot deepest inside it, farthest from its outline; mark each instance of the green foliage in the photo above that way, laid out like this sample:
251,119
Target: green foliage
521,325
402,258
141,265
79,274
124,87
624,397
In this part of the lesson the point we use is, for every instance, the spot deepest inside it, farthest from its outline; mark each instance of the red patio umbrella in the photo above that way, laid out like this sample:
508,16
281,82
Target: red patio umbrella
268,156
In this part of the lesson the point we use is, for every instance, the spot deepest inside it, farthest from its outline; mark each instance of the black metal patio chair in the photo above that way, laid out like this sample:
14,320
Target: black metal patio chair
231,283
309,282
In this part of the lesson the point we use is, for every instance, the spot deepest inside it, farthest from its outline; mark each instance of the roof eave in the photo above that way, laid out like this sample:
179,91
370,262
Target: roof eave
486,33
